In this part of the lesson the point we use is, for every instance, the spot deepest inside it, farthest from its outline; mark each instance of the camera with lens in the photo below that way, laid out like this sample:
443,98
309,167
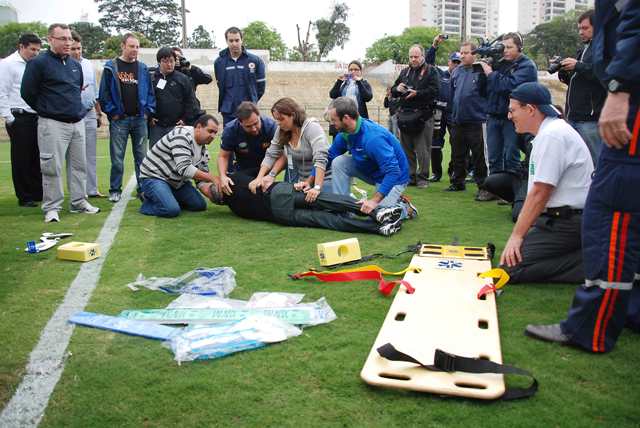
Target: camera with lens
182,63
444,36
491,52
555,64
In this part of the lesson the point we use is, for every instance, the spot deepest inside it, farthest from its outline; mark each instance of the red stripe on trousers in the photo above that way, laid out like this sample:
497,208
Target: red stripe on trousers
612,305
633,146
610,276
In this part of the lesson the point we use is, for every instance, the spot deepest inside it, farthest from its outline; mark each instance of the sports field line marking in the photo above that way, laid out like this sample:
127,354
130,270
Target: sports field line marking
46,362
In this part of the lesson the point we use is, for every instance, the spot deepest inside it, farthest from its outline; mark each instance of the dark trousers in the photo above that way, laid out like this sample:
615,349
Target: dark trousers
156,132
509,186
610,297
25,158
551,252
467,137
329,211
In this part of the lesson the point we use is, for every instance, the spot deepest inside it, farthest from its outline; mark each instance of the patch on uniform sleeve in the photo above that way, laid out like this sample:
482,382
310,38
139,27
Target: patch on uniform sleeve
532,168
252,67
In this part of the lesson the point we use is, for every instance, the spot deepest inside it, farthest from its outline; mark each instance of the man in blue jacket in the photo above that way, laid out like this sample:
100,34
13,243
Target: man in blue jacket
376,157
514,69
609,299
240,75
127,98
51,86
468,101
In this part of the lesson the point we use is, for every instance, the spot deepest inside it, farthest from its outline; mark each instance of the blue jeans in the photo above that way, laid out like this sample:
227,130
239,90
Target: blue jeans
502,146
590,134
119,131
343,168
162,200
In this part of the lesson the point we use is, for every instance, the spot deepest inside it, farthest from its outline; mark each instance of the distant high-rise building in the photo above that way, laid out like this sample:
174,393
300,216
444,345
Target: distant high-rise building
535,12
8,13
464,18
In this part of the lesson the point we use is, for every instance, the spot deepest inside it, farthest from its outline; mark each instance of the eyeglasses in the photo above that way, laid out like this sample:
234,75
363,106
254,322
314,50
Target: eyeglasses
169,60
63,39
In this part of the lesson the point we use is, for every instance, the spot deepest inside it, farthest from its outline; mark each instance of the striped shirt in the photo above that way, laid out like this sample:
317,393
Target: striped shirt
175,158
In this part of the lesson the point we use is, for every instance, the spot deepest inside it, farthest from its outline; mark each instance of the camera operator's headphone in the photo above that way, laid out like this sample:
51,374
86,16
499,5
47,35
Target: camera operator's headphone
517,38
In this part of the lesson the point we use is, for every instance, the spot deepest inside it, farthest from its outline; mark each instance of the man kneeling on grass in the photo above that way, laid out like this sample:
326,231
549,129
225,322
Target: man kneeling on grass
171,164
280,203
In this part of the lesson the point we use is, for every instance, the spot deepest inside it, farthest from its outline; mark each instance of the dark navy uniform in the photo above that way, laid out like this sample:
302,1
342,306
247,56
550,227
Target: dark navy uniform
611,222
248,150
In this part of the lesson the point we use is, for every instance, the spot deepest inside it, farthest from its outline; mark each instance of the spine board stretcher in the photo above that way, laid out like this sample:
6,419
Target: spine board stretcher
443,313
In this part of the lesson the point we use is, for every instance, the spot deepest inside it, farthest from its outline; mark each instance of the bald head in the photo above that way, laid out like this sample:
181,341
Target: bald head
416,56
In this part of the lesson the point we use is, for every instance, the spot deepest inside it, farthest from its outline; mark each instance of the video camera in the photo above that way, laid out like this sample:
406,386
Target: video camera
182,63
555,64
491,51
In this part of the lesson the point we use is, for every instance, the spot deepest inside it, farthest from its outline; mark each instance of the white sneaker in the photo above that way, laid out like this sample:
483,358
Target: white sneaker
389,229
85,208
115,196
51,216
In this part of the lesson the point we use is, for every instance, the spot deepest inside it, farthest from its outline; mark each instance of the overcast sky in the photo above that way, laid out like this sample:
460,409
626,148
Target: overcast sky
369,20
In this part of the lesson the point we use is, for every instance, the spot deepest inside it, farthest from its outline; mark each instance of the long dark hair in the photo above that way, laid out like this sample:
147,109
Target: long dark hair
288,107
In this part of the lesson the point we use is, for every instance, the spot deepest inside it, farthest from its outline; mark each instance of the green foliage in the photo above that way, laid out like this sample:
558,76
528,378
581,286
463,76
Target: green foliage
333,31
93,38
396,48
258,35
113,45
11,32
557,37
201,39
159,20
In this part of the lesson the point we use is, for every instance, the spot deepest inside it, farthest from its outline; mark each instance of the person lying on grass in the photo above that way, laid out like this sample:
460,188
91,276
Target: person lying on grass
281,203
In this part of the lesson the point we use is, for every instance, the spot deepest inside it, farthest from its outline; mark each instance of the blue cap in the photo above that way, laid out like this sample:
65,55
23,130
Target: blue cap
455,56
537,95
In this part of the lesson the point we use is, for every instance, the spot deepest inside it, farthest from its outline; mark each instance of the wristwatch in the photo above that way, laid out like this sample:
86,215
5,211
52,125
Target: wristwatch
317,187
616,86
272,174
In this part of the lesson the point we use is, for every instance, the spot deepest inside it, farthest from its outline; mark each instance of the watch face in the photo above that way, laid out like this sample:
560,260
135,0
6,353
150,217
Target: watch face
614,86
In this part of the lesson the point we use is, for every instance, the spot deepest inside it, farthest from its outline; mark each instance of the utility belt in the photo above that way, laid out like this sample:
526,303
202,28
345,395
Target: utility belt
22,112
565,212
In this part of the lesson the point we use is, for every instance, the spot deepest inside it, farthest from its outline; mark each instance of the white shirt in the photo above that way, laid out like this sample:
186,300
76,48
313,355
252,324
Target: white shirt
89,92
561,158
11,71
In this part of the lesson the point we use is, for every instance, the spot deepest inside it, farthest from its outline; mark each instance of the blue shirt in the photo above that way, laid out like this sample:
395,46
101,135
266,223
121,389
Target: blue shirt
249,150
376,153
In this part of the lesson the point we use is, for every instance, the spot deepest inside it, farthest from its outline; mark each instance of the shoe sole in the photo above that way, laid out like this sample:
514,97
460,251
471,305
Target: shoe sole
72,211
546,339
390,216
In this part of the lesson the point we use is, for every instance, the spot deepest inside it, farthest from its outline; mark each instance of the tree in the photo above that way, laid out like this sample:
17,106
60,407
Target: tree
257,35
396,48
332,32
557,37
113,45
93,37
305,49
201,39
159,20
10,34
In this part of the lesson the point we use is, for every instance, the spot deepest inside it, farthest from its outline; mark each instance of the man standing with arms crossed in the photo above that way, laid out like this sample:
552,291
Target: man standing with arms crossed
127,98
21,122
51,85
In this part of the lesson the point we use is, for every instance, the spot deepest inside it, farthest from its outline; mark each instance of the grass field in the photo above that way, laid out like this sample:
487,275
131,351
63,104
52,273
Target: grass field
311,380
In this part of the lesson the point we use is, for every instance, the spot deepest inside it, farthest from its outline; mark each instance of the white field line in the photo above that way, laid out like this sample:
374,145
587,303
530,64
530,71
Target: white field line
46,362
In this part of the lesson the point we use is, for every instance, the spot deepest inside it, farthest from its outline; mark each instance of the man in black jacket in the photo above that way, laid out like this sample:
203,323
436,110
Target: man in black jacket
176,102
418,87
586,95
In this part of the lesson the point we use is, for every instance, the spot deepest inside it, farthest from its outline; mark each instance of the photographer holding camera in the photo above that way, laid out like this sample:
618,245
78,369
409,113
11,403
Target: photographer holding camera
417,87
514,69
585,95
193,72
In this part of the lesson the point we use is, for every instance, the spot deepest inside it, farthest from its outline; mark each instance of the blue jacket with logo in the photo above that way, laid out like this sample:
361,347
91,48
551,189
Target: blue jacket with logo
52,86
252,71
249,150
376,152
110,97
468,95
508,75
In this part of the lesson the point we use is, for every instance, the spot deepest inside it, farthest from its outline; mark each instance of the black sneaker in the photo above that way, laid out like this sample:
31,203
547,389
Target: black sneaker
456,188
549,333
390,228
435,178
388,214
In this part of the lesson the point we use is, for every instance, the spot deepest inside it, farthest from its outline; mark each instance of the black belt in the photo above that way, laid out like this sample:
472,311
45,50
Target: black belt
562,212
22,112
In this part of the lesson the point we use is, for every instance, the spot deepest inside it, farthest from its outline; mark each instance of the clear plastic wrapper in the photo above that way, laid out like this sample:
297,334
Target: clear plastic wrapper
274,300
200,342
203,281
185,301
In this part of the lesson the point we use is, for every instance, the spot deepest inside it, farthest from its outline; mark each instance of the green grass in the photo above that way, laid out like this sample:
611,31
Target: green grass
311,380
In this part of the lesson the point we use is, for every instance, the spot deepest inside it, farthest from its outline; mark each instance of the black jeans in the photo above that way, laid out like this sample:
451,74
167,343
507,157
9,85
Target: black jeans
465,137
25,157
